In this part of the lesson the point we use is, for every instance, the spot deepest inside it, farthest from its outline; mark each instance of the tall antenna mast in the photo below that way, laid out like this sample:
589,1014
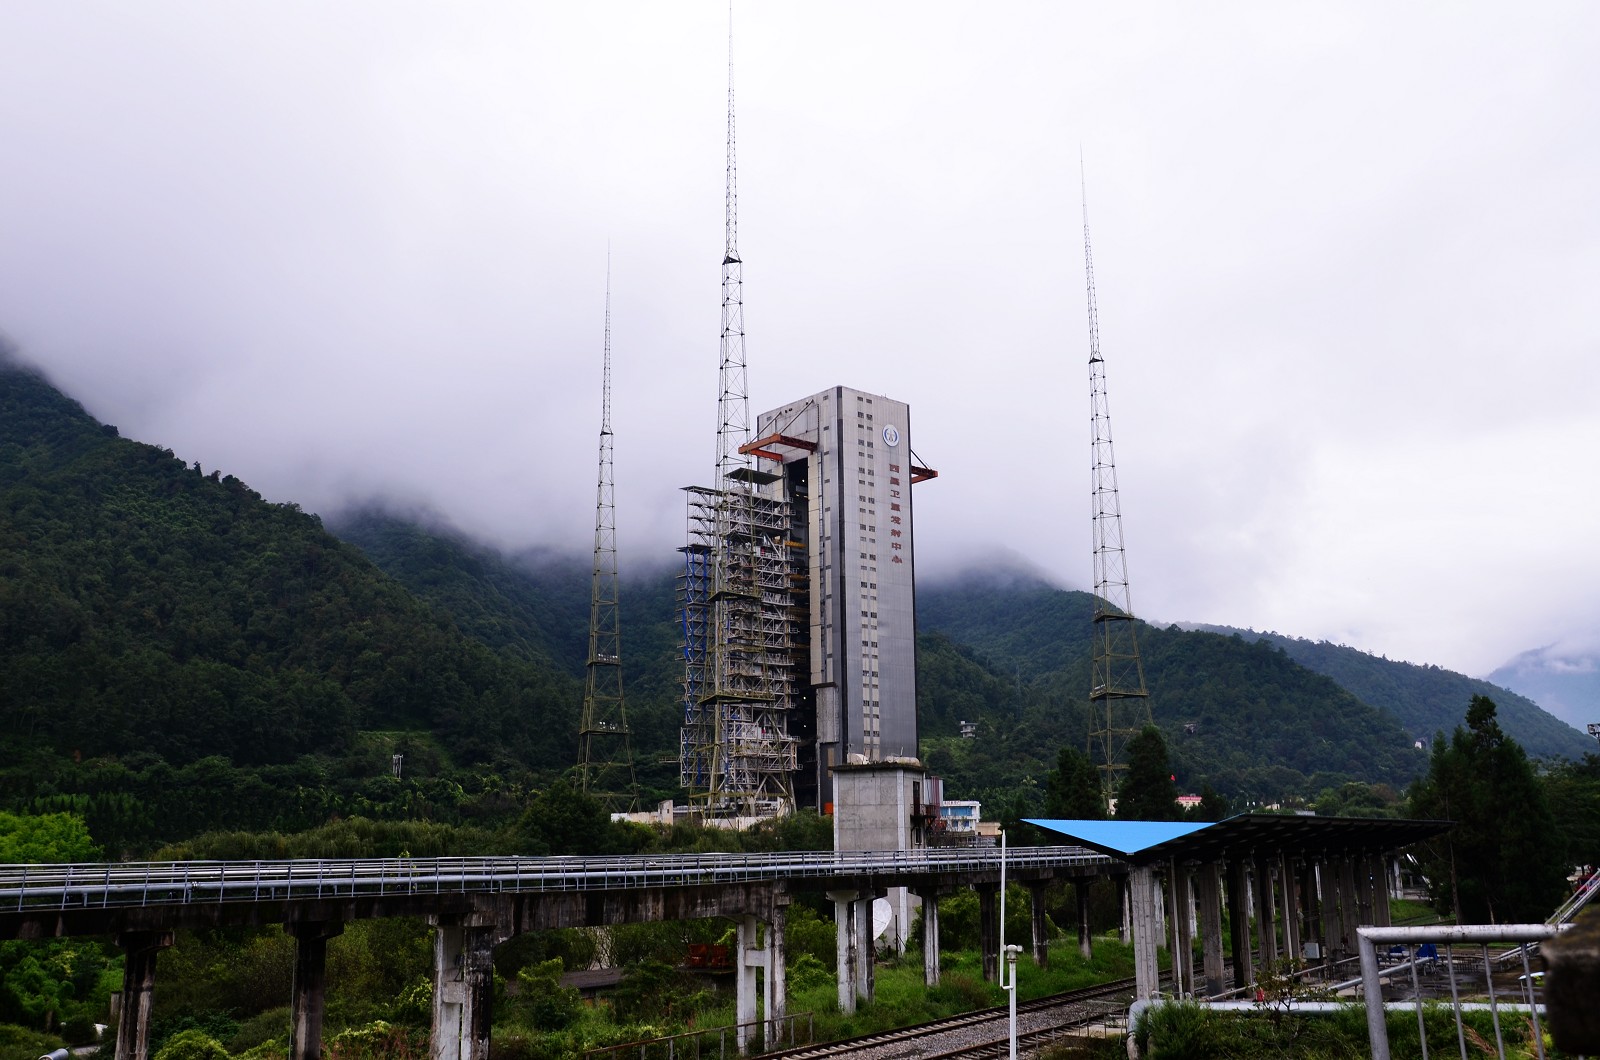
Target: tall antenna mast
736,757
733,403
605,752
1119,703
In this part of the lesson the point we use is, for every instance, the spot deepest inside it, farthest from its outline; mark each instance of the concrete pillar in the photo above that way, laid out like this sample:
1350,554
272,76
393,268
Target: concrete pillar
989,930
1291,907
777,977
1208,884
848,937
139,949
748,958
865,952
310,985
1125,928
1239,921
1266,926
1380,889
930,936
1310,910
463,991
1146,932
1349,907
1041,941
1080,888
1182,931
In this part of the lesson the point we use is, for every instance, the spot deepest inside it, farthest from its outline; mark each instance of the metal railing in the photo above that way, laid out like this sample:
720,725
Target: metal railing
1424,962
25,888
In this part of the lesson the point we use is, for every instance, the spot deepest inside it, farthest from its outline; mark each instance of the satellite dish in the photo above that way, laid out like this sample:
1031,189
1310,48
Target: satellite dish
882,917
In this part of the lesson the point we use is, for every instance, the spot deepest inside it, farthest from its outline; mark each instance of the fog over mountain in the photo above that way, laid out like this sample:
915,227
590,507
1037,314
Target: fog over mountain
1345,256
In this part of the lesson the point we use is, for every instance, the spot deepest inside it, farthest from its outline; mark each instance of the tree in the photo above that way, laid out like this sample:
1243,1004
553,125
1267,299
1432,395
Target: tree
1213,807
564,820
49,837
1504,861
1072,790
1148,792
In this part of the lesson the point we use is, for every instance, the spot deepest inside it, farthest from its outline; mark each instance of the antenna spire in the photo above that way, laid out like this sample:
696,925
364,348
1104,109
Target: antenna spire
1117,672
605,751
733,420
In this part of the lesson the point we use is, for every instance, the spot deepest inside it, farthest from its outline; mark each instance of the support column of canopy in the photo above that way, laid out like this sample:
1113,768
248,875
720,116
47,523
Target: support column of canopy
1349,903
139,949
1239,920
1142,898
1266,921
1311,914
463,987
1080,889
1289,896
989,930
1125,911
308,994
1041,941
1379,862
1182,931
1208,885
1361,864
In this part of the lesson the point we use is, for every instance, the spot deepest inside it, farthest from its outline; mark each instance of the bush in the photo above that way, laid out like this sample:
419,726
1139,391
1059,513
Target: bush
192,1044
21,1043
805,972
543,1001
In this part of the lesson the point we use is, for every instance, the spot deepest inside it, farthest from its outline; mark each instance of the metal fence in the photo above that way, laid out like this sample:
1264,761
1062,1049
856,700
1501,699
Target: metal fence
1458,966
95,886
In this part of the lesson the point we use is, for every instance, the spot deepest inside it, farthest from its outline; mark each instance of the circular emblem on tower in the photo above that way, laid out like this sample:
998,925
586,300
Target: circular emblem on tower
891,435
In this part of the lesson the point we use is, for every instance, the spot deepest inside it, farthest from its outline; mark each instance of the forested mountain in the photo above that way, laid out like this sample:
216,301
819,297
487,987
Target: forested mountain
536,606
1429,699
152,615
166,632
1242,717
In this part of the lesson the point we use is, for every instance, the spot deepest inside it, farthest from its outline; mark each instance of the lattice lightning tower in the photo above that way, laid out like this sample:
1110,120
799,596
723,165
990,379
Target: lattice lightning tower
736,757
1119,703
605,751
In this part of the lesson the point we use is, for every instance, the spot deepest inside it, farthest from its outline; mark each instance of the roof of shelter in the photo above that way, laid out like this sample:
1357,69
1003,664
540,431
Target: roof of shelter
1142,842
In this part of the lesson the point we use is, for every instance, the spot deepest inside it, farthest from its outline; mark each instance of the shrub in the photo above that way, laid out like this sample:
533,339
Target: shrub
192,1044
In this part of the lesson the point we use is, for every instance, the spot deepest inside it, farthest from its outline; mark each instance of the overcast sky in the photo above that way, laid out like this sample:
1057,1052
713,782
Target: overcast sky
1348,265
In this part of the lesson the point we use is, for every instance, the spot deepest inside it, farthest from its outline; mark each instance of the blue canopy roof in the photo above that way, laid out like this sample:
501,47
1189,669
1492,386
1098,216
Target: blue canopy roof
1120,838
1142,842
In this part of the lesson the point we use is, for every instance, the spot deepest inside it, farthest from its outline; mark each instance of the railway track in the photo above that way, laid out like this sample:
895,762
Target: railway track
983,1033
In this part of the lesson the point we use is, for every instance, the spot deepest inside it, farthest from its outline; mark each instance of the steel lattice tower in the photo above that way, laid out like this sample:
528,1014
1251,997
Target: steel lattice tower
736,757
605,751
1119,703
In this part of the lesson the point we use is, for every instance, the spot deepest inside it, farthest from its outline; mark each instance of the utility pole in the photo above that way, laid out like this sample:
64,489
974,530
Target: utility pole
605,751
1119,703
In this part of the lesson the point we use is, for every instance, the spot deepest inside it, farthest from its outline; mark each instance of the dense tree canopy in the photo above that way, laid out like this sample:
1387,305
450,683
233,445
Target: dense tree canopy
1504,861
1147,791
1072,791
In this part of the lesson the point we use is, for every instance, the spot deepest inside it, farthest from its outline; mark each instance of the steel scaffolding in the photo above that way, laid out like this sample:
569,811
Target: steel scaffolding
735,598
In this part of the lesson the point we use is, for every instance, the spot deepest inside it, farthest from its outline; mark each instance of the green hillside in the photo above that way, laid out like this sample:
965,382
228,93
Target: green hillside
1240,716
154,617
537,607
1429,699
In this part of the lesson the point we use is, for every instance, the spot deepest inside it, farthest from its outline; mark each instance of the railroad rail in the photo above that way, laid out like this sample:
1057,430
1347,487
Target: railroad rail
30,888
988,1027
